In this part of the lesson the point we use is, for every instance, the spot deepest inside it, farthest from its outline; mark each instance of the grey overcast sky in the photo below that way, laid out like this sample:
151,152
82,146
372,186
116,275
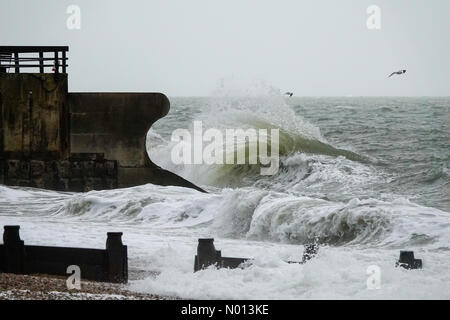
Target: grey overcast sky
183,48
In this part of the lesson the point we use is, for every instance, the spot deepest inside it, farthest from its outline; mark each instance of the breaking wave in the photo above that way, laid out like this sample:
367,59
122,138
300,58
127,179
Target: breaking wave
320,191
296,136
250,213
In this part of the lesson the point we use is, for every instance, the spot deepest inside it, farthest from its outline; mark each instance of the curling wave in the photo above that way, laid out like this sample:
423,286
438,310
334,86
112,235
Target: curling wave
296,136
250,213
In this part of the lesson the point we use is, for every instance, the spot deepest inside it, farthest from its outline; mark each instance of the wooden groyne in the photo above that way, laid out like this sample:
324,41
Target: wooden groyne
105,265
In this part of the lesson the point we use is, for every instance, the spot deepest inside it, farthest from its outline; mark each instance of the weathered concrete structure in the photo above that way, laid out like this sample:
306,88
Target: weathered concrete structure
50,138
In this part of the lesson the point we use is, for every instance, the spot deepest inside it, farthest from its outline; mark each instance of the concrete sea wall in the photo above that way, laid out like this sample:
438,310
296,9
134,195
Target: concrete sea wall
53,139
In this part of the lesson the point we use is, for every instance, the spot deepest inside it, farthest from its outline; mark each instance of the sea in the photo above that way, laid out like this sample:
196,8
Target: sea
364,177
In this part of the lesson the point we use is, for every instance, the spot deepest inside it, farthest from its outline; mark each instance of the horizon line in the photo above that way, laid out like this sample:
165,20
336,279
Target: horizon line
311,96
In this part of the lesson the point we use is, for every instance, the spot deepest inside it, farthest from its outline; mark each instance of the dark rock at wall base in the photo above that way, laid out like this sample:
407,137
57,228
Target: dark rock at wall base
18,169
99,169
88,168
37,168
35,183
83,176
93,184
64,169
76,185
111,168
76,170
62,175
20,183
110,183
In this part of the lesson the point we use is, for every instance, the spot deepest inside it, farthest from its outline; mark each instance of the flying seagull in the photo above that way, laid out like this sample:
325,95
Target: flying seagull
290,94
397,72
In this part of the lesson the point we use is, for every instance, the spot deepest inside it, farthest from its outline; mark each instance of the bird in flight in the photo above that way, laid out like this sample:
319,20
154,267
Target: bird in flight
290,94
397,72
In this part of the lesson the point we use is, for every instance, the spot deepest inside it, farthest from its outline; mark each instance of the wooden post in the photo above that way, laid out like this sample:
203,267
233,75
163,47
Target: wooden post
207,255
16,62
41,62
117,258
56,62
4,56
408,261
64,62
14,250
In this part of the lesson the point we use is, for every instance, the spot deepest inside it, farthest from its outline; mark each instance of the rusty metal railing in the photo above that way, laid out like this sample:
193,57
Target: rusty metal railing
19,57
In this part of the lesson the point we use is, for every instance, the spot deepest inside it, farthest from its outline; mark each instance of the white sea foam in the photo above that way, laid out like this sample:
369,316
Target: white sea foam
336,273
249,213
321,190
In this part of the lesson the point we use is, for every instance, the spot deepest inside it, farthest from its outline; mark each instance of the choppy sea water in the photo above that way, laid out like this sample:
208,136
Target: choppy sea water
366,176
